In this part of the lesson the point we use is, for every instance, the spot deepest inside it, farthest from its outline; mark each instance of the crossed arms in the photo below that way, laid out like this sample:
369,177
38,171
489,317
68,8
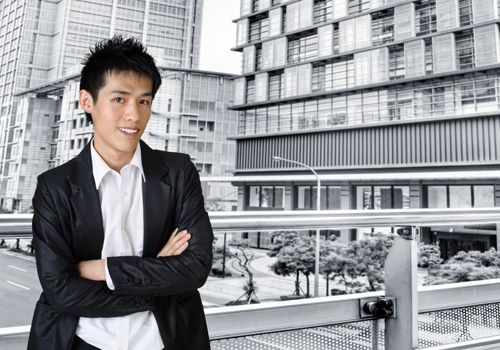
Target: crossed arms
77,288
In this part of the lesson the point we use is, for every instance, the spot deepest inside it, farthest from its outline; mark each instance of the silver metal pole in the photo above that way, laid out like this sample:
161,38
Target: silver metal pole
401,283
318,234
318,231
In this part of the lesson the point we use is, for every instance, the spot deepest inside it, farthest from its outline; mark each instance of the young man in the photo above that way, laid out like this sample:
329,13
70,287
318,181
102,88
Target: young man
113,276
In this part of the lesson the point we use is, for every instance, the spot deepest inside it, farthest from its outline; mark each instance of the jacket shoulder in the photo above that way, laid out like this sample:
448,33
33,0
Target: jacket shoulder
58,174
174,160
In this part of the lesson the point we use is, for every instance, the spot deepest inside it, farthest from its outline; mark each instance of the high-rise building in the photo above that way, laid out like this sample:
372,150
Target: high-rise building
44,41
366,91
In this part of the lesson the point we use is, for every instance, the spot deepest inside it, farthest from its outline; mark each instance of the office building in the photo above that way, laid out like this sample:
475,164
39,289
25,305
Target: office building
371,90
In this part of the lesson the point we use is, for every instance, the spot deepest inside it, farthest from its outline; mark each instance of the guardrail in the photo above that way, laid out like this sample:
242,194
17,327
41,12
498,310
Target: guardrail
248,221
417,313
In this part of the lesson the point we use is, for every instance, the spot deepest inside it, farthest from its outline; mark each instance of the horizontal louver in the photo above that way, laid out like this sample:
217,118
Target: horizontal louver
452,142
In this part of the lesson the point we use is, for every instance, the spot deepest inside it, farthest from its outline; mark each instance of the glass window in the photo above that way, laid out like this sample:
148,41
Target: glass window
425,13
356,6
382,198
251,91
259,28
484,196
267,198
383,27
304,197
401,197
275,86
464,44
334,195
322,11
302,48
465,12
279,197
258,59
460,197
428,56
253,195
364,198
396,62
436,197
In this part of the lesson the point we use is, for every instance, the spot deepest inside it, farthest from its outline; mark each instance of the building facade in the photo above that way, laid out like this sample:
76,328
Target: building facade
190,115
371,87
44,41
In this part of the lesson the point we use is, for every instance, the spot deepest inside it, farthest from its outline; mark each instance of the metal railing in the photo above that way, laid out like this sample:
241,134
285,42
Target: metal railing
454,316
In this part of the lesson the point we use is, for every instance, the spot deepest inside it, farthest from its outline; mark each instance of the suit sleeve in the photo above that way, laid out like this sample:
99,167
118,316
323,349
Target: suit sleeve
66,291
172,274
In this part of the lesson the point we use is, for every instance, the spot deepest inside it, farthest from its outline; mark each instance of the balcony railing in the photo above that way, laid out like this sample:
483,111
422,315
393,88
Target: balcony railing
453,316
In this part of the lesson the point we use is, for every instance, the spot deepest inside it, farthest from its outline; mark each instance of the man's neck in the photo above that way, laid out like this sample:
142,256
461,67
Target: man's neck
114,160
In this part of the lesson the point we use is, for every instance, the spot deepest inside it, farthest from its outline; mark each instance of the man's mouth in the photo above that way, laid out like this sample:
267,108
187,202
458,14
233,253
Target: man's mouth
129,131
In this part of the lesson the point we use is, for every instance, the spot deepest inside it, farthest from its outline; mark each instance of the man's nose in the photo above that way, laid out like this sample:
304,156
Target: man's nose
132,111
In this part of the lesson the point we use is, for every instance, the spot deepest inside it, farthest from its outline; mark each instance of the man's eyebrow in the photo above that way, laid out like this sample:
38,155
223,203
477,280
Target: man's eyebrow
125,92
122,92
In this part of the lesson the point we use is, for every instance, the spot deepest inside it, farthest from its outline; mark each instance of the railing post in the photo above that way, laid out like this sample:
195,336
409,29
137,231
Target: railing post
401,281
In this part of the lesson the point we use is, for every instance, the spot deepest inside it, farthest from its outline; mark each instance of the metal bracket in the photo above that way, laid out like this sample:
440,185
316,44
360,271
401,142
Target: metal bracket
381,307
408,232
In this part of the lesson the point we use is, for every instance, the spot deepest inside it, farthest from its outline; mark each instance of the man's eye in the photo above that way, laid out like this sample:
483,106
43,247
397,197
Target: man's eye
145,102
118,99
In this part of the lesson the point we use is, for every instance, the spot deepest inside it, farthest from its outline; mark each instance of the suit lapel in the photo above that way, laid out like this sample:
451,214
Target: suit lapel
156,200
85,202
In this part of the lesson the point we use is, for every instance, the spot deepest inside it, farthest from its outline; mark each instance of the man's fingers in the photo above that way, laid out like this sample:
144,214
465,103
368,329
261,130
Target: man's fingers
177,243
180,242
173,234
181,249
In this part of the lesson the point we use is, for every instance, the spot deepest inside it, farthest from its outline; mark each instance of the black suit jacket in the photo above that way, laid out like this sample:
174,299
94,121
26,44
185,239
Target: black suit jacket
68,228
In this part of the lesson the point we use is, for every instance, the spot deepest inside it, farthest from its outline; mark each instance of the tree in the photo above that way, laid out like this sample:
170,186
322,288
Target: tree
466,266
244,256
337,265
429,256
370,255
357,265
282,239
218,258
294,255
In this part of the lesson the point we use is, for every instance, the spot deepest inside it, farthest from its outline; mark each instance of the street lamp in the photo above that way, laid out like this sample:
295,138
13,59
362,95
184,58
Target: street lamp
318,207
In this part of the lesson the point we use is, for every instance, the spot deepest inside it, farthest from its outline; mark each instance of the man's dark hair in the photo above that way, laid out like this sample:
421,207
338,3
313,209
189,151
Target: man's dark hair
116,55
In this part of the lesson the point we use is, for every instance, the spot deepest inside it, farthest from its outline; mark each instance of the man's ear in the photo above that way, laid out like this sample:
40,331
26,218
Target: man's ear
86,101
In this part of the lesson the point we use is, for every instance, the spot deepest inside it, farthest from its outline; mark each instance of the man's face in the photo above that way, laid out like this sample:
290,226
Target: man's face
120,114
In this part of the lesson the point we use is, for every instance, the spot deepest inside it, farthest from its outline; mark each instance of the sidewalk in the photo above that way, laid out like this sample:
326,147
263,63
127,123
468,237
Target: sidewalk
270,287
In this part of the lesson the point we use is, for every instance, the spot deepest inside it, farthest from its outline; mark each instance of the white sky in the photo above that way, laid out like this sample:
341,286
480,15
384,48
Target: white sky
218,36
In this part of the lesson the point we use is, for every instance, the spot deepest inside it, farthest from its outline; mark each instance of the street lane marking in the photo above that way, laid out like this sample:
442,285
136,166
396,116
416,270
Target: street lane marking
17,268
20,256
18,285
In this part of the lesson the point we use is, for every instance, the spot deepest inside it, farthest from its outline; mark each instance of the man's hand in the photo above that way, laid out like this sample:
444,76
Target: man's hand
177,243
92,269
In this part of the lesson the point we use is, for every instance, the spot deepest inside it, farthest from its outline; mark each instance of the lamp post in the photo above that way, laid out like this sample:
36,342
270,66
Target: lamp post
318,207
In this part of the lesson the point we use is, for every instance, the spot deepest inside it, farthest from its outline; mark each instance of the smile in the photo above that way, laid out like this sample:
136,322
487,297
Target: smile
129,131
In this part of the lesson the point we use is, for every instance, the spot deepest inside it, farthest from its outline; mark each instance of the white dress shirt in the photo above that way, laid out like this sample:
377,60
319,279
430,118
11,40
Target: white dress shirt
120,195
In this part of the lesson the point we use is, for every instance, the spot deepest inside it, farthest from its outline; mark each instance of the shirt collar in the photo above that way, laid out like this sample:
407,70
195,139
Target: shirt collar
100,168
